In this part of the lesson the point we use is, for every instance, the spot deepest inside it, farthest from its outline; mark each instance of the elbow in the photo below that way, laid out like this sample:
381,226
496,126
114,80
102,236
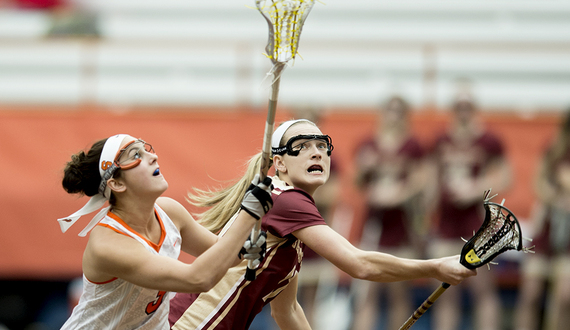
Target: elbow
361,269
360,273
200,284
205,286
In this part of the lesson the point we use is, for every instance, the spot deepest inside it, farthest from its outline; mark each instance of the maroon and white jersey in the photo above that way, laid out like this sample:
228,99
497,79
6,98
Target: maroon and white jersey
234,302
458,164
392,167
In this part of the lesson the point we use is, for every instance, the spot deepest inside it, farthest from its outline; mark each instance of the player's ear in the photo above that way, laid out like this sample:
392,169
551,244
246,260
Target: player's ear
279,164
116,185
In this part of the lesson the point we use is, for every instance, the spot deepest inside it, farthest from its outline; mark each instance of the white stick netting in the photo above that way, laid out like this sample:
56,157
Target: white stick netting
285,19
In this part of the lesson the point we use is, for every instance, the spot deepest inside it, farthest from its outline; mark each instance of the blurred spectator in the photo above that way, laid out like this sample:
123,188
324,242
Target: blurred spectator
32,4
467,160
69,18
391,171
551,227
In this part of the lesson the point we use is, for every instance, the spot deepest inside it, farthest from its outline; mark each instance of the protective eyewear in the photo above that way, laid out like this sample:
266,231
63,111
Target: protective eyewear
299,143
127,157
130,155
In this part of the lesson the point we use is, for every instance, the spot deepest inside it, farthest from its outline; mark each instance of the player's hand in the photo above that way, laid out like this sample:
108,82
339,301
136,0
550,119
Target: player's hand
257,200
452,272
254,251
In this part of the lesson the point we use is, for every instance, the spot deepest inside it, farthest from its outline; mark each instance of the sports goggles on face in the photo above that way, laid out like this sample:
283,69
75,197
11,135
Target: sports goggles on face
130,155
127,158
299,143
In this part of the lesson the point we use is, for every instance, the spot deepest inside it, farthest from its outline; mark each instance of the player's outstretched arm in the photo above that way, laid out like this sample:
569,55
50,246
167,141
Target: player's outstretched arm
377,266
110,255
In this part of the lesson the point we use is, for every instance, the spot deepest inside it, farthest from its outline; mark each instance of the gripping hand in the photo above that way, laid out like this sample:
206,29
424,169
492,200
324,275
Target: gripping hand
257,200
254,251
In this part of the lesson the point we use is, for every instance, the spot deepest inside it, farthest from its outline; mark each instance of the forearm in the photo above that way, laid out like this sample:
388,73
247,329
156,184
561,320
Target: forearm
382,267
215,261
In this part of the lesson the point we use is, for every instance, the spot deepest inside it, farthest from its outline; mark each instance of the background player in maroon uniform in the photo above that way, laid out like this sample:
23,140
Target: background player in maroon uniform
468,159
302,164
391,171
551,228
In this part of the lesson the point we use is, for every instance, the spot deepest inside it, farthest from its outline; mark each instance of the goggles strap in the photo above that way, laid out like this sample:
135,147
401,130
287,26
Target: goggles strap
280,131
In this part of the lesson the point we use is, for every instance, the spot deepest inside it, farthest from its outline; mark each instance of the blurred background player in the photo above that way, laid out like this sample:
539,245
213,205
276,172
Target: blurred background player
467,160
548,271
391,171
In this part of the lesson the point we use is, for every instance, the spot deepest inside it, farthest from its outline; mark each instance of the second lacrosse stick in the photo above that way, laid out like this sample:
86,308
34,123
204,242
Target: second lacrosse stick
499,232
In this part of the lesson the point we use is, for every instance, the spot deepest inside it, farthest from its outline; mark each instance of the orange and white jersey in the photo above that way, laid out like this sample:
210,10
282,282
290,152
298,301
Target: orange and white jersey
118,304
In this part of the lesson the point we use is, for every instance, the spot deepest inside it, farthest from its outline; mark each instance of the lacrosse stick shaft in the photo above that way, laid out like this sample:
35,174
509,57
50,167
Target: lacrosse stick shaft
266,153
270,123
425,305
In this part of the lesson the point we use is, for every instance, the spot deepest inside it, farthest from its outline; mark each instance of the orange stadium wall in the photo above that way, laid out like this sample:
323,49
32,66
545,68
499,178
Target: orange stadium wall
199,148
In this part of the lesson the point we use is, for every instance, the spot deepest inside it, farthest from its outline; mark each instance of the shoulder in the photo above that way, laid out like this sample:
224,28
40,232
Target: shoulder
292,210
291,197
172,207
175,211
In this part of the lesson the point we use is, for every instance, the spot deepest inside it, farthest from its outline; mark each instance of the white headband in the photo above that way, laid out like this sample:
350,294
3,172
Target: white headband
110,149
280,131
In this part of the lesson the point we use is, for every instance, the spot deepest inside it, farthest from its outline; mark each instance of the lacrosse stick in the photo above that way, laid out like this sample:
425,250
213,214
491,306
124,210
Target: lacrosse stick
285,19
499,232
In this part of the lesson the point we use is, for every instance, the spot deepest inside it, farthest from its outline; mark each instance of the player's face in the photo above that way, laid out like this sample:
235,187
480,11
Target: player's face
310,169
139,164
464,112
394,112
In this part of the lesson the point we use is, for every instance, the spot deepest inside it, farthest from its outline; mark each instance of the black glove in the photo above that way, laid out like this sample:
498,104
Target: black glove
257,200
255,252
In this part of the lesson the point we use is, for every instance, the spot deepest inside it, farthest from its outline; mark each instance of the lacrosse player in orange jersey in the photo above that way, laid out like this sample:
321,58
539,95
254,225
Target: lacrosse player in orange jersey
129,264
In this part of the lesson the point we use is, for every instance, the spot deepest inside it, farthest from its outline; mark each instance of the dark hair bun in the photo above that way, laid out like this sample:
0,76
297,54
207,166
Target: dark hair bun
81,174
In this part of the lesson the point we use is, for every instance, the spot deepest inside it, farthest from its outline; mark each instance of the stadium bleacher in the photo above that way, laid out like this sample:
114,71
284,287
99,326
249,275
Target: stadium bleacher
512,54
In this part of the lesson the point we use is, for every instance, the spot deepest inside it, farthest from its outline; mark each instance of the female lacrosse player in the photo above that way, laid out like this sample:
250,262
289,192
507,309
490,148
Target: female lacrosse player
301,156
551,263
468,159
391,172
129,264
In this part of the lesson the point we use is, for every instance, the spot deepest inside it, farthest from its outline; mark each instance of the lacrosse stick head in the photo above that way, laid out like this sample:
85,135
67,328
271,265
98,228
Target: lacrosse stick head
285,19
499,232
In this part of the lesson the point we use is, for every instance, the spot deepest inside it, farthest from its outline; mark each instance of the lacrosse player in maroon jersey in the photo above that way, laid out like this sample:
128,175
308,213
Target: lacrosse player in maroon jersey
301,157
550,265
391,171
469,160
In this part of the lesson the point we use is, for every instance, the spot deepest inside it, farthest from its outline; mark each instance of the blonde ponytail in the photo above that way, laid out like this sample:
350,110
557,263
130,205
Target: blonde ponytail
224,203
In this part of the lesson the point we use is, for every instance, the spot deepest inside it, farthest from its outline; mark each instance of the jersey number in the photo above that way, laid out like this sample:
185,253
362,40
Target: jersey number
153,305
